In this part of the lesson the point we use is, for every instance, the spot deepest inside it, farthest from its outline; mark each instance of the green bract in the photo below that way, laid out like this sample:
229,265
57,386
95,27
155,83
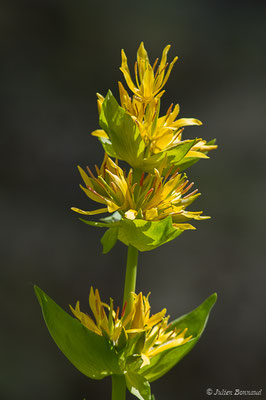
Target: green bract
147,235
91,354
125,141
141,234
96,357
195,321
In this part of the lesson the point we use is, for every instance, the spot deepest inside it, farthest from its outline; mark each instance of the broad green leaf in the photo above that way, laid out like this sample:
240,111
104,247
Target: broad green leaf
109,239
195,321
176,154
108,147
90,353
152,162
187,162
147,235
138,386
123,132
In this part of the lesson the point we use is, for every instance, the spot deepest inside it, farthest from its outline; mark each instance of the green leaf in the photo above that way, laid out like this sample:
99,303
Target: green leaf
152,162
123,132
177,154
90,353
109,239
108,147
95,223
213,141
189,161
195,321
138,386
147,235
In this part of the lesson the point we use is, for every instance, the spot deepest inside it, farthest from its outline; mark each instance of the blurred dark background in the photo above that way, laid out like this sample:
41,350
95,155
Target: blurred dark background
55,56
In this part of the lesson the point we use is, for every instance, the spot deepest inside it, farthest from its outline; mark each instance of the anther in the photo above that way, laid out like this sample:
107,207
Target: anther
94,192
190,194
187,188
116,314
89,171
123,310
142,179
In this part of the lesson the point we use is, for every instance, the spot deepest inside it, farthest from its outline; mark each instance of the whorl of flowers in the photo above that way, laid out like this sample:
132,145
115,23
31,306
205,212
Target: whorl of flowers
136,332
152,198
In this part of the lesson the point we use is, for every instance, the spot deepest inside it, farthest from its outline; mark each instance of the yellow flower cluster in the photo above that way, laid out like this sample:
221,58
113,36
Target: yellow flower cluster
150,334
152,145
152,198
158,133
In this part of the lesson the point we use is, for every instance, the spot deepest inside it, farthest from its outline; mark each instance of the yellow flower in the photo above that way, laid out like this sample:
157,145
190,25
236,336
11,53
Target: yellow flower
149,81
153,331
159,133
153,197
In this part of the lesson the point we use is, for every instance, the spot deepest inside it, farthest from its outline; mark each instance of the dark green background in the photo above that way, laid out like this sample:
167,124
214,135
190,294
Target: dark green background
55,56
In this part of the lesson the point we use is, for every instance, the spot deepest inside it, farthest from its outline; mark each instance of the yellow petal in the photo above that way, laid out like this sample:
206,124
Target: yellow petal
164,141
92,194
142,60
85,177
197,154
124,68
173,114
169,71
161,69
186,122
168,345
148,82
195,215
135,330
183,227
100,133
99,211
151,214
112,207
85,319
139,318
156,318
94,308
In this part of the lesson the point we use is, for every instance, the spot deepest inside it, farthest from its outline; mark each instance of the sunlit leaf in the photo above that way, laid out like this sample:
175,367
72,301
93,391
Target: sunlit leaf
195,321
90,353
122,130
109,239
147,235
138,386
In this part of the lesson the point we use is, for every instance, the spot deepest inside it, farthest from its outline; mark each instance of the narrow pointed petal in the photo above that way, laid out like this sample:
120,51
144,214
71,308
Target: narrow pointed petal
100,133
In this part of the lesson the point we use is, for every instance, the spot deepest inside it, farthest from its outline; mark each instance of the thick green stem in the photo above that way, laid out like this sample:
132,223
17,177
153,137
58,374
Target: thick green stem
118,381
131,276
118,387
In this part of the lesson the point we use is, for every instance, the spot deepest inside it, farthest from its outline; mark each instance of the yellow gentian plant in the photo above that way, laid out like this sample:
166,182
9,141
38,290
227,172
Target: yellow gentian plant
147,206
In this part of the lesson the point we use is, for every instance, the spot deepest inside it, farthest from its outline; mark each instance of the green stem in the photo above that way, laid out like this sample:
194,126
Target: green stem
131,276
118,387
